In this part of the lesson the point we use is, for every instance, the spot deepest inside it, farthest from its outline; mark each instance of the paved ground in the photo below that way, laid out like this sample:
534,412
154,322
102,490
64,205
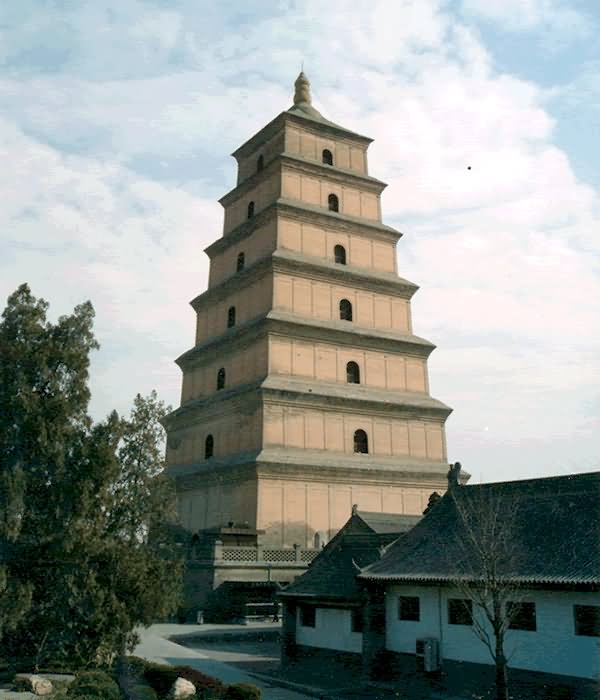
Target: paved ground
250,654
155,646
255,650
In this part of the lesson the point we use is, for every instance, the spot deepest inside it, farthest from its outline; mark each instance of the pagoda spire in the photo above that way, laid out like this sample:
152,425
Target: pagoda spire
302,92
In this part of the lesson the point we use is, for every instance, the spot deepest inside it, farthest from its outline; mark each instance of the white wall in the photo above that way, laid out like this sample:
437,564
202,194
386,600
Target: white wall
332,630
553,647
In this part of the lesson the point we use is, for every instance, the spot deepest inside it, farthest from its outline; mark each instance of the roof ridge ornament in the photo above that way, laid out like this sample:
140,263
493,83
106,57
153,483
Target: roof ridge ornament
454,475
302,90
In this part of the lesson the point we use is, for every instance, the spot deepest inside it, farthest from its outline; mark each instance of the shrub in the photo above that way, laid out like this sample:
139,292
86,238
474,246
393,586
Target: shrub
242,691
94,684
200,680
142,692
59,694
134,665
161,677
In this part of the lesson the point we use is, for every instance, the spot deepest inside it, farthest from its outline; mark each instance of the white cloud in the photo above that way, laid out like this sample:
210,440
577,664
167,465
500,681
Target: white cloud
555,16
77,228
506,251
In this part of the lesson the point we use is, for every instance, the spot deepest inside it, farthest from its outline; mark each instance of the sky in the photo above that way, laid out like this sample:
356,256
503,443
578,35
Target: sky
117,119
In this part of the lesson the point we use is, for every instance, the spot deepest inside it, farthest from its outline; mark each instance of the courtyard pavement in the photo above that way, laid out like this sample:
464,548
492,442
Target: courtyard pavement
155,646
250,654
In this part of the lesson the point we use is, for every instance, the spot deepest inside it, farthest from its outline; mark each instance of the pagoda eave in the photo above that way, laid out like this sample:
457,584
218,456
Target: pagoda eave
310,167
316,268
297,326
323,466
301,119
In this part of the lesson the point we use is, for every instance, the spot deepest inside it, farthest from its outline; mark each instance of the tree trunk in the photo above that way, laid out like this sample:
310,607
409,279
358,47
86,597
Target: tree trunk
501,671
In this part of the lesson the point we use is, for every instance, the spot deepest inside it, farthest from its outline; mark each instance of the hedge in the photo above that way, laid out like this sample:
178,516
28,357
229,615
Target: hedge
94,684
242,691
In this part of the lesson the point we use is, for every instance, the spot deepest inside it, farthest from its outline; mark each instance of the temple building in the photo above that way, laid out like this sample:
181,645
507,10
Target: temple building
306,390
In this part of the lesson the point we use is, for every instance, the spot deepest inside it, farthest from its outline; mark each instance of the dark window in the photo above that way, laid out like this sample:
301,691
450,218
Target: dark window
460,611
521,616
308,615
209,447
339,254
345,310
334,202
409,608
352,373
260,163
241,261
221,379
327,157
587,620
361,442
357,620
250,210
231,317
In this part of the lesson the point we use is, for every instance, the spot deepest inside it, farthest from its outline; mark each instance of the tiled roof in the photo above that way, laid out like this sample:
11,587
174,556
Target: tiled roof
551,528
332,575
309,113
384,523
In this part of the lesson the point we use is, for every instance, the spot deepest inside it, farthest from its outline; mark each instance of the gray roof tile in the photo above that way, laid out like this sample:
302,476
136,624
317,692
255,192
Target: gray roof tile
552,529
332,575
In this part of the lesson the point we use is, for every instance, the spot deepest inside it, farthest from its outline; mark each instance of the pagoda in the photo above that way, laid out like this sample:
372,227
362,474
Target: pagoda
306,391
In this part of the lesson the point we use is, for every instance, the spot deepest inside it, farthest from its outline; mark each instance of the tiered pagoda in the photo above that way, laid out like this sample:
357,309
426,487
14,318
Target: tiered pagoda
306,390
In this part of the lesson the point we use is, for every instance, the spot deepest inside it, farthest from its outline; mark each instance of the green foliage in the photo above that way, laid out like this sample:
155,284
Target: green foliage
77,500
160,677
200,680
142,692
60,694
242,691
94,684
132,666
20,685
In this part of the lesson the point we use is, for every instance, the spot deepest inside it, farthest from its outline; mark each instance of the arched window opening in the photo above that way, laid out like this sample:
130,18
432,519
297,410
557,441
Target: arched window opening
345,310
352,373
260,163
209,447
231,317
241,261
327,157
334,202
339,253
250,210
221,379
361,442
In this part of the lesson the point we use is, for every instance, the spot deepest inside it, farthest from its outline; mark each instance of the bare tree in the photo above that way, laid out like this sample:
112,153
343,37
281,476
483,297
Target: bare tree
487,559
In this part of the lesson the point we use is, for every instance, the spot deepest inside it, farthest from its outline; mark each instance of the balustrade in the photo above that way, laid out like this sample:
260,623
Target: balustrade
261,554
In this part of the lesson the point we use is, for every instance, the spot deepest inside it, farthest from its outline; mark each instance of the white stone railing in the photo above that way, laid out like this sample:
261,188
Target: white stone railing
263,555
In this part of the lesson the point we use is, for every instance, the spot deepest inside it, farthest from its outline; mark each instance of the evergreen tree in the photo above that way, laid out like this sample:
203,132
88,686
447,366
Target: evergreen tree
77,500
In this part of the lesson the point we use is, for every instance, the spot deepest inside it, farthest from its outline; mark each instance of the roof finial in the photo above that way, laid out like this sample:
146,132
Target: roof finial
302,93
454,474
